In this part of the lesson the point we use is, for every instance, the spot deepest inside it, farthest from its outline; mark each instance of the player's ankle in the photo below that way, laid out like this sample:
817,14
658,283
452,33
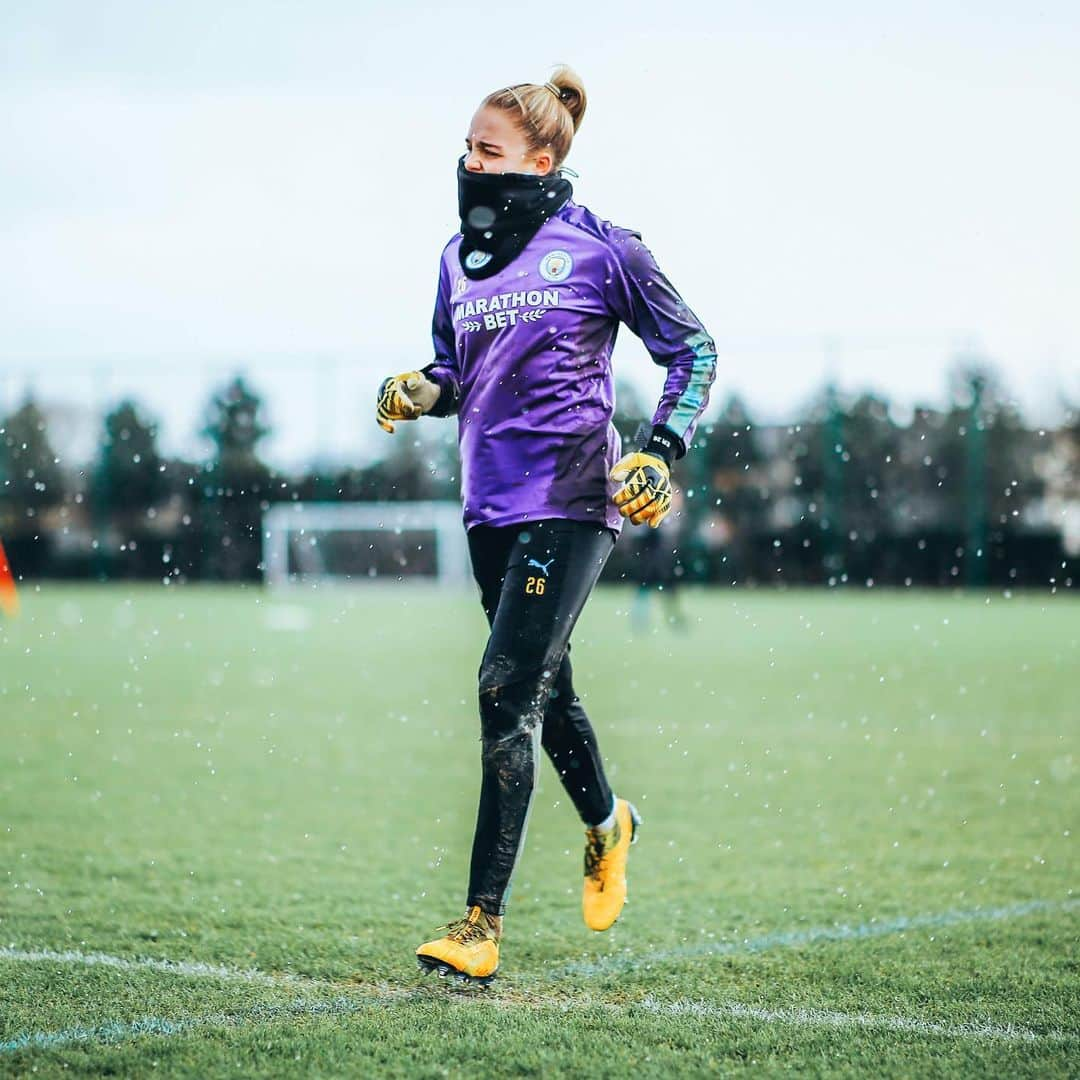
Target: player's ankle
609,821
495,922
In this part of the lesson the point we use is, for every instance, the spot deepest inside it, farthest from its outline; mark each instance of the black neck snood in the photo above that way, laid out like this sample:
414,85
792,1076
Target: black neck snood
500,214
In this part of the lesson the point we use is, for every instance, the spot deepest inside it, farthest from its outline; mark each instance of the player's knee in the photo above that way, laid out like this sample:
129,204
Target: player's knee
499,670
496,670
512,700
506,711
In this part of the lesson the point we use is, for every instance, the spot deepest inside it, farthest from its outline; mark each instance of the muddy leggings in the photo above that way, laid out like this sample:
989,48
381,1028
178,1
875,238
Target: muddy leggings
534,580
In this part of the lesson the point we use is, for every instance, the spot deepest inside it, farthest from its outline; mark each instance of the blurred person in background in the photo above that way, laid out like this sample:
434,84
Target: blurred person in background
659,571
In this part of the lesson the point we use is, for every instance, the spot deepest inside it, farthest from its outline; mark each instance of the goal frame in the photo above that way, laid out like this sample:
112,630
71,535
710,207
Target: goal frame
285,520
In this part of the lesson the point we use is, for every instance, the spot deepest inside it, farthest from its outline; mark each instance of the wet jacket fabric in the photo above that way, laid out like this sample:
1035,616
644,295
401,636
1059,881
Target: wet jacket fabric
523,357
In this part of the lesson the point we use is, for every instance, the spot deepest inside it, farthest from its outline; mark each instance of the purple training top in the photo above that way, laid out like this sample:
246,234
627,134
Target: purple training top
528,353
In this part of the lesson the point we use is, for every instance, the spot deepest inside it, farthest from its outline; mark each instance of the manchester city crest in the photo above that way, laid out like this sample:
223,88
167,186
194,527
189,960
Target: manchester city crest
556,266
475,259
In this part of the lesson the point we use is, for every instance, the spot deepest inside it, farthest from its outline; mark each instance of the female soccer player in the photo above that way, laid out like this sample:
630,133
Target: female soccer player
531,293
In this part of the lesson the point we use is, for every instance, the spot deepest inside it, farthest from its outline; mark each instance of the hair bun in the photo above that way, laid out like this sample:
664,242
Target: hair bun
566,85
555,90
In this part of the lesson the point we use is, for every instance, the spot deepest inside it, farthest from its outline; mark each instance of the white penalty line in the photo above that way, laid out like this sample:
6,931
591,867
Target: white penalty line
113,1030
829,1018
145,963
903,924
601,966
118,1031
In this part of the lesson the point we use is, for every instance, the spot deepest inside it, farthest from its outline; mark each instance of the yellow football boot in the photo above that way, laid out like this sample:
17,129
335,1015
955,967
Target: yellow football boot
605,867
469,951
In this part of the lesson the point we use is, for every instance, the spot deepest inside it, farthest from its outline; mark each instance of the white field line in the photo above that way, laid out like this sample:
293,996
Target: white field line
601,966
145,963
384,995
811,936
117,1031
828,1018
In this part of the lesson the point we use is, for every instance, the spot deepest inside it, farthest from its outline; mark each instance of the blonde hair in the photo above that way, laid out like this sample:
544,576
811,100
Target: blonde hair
549,114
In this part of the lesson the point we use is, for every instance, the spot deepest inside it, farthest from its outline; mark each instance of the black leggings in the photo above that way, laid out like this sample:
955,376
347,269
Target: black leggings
534,580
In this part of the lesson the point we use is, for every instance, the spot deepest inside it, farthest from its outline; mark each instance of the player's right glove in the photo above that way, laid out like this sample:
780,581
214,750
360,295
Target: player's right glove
645,494
404,397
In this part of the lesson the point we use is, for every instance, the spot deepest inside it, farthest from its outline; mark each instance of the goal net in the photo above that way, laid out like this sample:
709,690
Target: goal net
421,541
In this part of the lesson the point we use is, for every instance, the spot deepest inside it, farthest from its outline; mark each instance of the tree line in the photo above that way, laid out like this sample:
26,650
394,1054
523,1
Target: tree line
849,494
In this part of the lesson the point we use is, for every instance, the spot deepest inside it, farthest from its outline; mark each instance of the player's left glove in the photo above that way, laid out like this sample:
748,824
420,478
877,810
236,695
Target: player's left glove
645,494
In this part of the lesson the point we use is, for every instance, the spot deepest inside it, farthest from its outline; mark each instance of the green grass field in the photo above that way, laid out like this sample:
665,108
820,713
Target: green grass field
857,855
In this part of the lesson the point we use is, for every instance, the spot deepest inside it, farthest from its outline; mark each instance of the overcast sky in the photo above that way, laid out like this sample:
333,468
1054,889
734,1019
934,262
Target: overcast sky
189,189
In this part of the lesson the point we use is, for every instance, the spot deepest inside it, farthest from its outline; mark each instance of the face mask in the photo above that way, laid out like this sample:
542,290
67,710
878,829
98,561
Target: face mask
500,214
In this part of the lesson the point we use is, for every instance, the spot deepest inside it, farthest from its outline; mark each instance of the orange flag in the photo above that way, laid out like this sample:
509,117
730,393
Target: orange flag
9,598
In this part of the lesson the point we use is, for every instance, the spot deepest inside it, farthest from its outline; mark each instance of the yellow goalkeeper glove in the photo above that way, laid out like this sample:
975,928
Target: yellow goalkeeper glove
645,494
404,397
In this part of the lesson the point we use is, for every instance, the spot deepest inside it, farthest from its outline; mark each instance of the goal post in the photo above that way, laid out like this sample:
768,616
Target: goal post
365,541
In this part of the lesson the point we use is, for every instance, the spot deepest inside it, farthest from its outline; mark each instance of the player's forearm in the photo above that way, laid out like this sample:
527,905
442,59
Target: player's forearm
686,390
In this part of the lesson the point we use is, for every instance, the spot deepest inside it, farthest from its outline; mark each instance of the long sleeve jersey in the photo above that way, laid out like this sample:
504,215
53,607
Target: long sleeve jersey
524,359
